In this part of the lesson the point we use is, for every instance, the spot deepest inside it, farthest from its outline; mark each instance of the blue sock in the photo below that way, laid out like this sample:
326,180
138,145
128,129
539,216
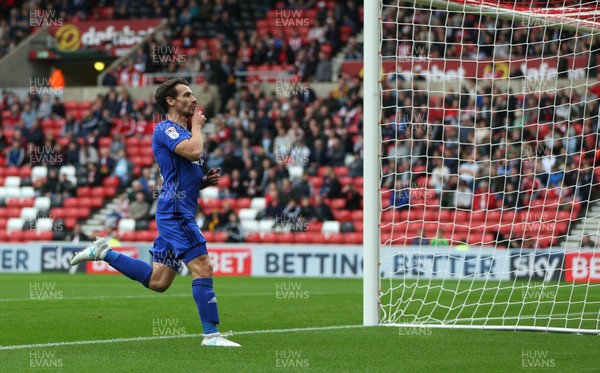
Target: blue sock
135,269
206,301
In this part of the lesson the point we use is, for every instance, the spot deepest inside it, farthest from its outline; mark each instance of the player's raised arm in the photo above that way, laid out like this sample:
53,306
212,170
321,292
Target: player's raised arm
192,149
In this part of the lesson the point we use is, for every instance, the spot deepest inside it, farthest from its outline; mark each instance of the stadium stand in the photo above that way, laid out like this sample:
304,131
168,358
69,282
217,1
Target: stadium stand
82,163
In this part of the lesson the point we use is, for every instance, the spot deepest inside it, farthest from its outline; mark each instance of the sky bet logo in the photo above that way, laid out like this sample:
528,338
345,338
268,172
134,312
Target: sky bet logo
56,259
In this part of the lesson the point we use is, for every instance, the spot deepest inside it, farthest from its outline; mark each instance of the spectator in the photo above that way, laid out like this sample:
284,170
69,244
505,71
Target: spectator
45,108
464,196
352,197
76,235
331,186
483,199
123,168
400,196
57,79
120,211
139,208
106,164
16,155
587,243
321,211
87,154
58,108
93,176
234,230
28,115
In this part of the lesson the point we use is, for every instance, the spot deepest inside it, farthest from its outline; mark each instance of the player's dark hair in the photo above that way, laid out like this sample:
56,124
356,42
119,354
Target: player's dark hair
168,89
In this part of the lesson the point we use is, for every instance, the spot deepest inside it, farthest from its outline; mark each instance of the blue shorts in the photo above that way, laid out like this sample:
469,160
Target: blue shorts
179,240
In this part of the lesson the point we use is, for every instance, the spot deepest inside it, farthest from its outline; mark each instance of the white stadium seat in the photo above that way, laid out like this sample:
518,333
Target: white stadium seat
126,225
42,203
210,193
295,172
258,203
248,214
44,224
14,224
12,181
27,192
39,172
29,213
250,225
330,227
70,172
12,192
266,226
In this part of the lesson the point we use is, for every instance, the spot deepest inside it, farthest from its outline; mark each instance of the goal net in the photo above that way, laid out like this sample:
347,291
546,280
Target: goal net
489,164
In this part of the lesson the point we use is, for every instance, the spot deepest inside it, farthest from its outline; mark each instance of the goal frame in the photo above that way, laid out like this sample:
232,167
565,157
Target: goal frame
372,146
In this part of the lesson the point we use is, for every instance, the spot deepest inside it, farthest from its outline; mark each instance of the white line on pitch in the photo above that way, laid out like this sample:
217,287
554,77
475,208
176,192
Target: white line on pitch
142,296
137,339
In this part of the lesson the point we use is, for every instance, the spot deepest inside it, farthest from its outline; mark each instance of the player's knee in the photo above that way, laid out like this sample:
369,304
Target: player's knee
159,287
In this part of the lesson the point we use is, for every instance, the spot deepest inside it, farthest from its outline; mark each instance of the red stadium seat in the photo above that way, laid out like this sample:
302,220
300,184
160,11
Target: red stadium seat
286,238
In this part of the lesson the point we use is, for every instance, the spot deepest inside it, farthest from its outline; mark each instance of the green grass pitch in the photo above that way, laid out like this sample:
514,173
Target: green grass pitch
143,331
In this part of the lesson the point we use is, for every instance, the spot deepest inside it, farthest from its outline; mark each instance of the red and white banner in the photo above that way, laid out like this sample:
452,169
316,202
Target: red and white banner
101,267
115,36
231,262
582,267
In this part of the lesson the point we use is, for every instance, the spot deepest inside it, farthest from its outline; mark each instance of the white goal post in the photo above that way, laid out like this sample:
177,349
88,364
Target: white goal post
481,170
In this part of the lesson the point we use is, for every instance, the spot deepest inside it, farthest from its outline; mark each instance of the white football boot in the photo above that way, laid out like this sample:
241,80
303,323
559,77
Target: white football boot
219,340
96,251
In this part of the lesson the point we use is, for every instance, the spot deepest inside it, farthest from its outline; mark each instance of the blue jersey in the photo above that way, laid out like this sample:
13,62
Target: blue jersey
181,177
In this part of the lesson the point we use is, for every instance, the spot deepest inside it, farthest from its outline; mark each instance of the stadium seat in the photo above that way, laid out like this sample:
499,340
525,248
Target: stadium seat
258,203
330,227
242,203
249,225
39,172
42,203
26,192
14,224
44,225
126,225
29,213
12,181
248,214
12,192
295,172
252,237
265,226
210,193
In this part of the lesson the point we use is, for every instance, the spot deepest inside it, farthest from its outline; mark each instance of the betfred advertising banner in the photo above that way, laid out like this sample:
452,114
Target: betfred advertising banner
582,267
101,267
115,36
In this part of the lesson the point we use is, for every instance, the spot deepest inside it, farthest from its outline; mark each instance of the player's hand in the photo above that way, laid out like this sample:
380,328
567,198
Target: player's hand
213,176
198,119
